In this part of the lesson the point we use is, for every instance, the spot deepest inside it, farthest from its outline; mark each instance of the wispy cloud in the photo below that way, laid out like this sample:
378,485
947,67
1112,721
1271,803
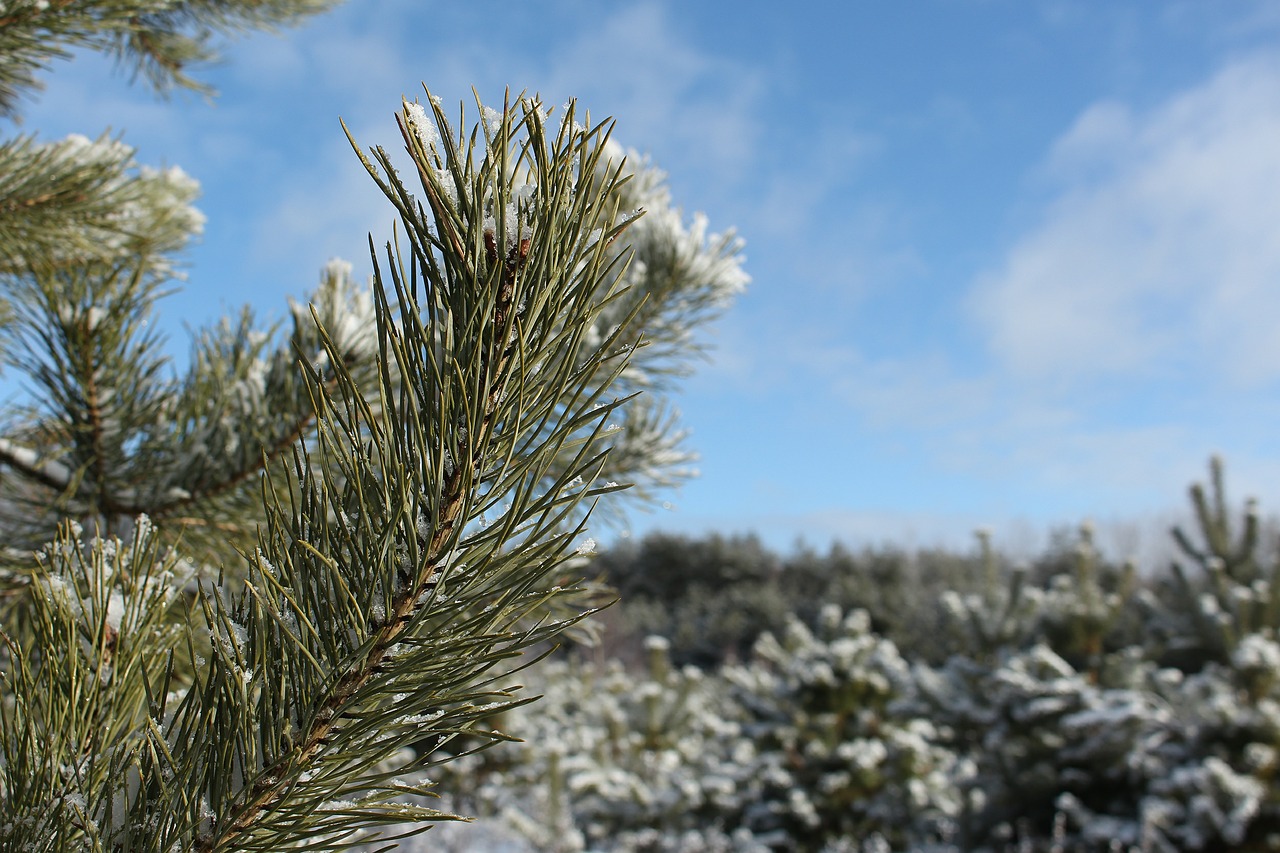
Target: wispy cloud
699,108
639,66
1160,254
1128,329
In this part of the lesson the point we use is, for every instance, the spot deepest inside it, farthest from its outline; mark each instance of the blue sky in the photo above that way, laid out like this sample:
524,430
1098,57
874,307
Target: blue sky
1014,263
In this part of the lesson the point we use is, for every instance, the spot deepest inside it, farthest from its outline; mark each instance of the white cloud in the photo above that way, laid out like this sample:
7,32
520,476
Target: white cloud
919,392
1161,254
796,195
666,92
634,62
696,110
1150,284
1010,444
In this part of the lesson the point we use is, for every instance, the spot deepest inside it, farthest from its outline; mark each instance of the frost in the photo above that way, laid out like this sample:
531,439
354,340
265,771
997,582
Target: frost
230,636
48,468
445,182
1256,652
346,311
115,610
492,120
422,127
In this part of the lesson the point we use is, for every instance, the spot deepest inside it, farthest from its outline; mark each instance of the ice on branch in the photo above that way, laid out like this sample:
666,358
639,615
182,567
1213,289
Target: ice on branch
685,273
422,127
492,121
134,208
344,309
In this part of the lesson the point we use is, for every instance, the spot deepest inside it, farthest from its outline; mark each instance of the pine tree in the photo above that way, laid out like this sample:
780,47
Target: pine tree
249,604
1233,590
654,760
841,758
1039,704
1217,630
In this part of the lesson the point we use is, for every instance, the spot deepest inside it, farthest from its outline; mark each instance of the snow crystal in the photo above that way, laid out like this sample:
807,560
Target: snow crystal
28,458
421,126
115,610
492,120
655,643
57,589
231,636
1258,653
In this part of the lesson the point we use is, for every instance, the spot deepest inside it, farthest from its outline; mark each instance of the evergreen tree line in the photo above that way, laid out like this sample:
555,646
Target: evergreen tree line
942,703
713,596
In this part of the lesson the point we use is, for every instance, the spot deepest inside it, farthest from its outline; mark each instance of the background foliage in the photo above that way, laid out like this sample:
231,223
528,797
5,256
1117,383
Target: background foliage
932,701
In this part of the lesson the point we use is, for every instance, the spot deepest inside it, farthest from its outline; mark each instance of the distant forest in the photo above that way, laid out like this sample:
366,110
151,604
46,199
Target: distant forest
712,596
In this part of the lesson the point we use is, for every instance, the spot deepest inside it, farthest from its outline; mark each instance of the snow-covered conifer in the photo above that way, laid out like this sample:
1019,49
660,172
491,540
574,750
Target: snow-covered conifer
840,757
248,603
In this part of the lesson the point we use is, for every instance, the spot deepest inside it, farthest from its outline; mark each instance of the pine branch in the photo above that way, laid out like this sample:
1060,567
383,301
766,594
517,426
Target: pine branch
74,202
47,472
230,481
171,446
415,599
158,42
